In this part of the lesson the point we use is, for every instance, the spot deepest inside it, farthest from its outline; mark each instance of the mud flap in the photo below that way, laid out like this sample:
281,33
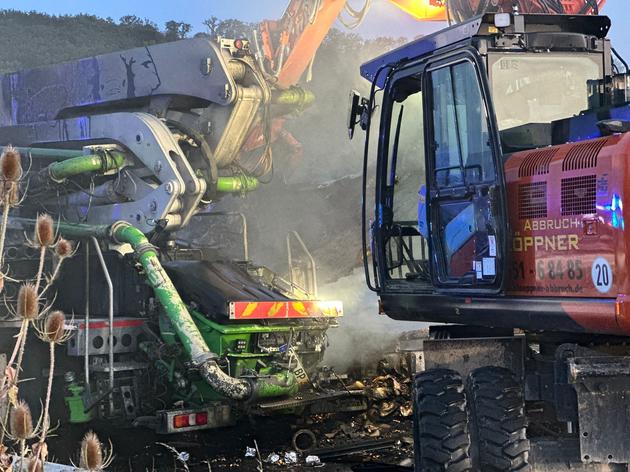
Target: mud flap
603,400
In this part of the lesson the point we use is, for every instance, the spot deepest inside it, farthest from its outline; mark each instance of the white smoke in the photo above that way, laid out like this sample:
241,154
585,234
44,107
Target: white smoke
363,335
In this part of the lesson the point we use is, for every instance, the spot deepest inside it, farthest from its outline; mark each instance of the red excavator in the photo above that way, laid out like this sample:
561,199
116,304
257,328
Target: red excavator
501,176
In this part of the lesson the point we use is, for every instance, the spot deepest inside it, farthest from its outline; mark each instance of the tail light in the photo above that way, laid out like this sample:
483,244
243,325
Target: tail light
188,420
213,415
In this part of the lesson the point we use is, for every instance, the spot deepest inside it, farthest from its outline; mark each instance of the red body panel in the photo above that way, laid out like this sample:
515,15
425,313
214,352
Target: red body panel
567,216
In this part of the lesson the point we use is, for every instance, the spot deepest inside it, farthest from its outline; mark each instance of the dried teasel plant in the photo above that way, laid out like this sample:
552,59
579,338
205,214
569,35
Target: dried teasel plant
93,457
44,231
53,330
43,238
11,173
64,249
21,422
28,302
28,310
21,427
11,165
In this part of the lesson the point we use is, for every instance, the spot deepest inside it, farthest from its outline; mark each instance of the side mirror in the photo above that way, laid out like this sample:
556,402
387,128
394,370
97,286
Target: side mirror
357,112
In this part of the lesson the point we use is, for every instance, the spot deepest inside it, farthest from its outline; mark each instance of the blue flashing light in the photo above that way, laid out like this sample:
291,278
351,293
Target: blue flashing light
616,209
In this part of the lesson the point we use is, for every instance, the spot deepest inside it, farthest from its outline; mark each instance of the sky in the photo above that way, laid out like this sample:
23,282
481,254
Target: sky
383,19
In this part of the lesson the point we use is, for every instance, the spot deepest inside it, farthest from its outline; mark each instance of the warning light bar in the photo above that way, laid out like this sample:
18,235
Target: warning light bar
269,310
428,10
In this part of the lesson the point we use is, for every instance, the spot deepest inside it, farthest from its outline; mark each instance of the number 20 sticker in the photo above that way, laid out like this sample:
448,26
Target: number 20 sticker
602,275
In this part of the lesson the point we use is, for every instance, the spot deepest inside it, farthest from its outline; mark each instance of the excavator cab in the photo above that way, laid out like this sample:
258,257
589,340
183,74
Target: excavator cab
455,106
454,168
440,222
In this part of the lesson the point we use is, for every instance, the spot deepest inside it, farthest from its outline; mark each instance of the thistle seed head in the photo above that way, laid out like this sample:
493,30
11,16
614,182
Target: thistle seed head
64,248
91,452
44,231
21,421
27,302
54,328
10,164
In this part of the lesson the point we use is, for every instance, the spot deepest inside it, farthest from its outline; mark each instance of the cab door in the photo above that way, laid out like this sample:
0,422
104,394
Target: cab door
466,192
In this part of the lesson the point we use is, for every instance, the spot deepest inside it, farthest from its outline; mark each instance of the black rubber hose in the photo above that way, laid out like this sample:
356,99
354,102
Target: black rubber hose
207,153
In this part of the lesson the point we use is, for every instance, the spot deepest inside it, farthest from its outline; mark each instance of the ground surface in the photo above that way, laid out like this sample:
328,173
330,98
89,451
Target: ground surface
378,437
225,449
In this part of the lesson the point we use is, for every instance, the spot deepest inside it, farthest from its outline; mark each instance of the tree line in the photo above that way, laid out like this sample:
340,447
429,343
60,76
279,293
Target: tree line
32,39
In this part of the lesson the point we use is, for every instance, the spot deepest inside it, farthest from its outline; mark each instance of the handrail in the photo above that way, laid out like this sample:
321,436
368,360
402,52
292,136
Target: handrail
110,288
313,288
86,333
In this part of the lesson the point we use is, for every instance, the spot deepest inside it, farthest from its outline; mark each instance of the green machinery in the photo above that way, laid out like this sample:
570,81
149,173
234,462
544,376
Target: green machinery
171,332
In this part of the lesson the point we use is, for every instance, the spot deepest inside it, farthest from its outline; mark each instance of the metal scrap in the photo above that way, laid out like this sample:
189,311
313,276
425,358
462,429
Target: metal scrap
355,448
313,461
290,457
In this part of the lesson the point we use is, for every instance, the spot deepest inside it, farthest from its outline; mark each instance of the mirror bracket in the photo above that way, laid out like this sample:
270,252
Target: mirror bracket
357,112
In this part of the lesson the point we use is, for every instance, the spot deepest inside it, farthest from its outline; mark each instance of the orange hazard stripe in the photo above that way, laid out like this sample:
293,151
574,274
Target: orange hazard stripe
244,310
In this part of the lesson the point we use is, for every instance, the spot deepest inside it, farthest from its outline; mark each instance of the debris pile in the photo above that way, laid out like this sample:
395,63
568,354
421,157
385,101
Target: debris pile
380,433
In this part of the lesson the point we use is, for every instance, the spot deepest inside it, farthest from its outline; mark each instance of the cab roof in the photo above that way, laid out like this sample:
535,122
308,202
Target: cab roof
463,33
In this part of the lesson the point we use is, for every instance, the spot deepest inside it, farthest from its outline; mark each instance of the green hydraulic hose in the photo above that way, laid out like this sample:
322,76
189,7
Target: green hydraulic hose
237,389
278,385
294,96
101,163
240,183
123,232
177,312
165,291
